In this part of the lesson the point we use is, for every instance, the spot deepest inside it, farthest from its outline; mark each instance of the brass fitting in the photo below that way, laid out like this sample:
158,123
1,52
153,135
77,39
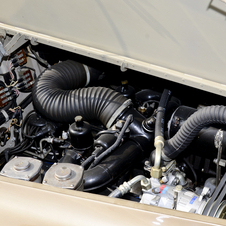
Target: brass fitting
124,82
156,173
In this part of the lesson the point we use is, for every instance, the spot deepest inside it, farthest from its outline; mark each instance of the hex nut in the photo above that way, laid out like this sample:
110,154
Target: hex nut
145,186
156,173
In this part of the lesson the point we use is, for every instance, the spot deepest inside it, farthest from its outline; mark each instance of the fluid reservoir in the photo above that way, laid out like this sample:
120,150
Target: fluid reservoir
81,134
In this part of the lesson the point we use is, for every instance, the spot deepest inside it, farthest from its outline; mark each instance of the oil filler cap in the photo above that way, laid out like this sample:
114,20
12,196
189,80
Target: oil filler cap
63,173
21,165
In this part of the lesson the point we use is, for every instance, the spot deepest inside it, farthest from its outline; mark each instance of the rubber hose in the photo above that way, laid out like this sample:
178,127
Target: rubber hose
57,97
70,157
113,166
190,129
160,118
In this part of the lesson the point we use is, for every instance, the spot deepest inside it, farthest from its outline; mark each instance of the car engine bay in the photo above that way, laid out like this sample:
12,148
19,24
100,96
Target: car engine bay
77,123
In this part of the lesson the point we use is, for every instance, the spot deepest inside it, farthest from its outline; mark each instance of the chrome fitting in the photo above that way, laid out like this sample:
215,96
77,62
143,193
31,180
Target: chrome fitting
145,184
159,140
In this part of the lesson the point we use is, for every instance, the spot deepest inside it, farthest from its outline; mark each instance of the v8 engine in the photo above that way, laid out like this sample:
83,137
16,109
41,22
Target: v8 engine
78,124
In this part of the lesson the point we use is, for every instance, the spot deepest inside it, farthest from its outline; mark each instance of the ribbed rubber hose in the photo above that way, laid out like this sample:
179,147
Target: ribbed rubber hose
56,95
190,129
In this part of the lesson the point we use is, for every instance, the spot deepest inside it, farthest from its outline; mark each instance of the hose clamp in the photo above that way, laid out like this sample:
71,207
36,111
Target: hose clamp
118,111
159,140
87,74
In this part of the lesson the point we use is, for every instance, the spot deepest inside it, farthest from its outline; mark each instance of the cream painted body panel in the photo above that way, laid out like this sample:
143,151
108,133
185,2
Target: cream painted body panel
31,204
179,40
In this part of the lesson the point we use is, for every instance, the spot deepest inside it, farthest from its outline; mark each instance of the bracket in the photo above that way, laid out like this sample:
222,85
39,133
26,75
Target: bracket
124,66
17,41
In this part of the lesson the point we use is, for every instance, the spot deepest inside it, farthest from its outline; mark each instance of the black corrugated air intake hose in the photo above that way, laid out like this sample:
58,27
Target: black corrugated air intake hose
190,129
56,95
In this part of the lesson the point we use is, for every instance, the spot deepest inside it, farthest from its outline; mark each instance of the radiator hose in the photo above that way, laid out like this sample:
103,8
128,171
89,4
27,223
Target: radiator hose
189,130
